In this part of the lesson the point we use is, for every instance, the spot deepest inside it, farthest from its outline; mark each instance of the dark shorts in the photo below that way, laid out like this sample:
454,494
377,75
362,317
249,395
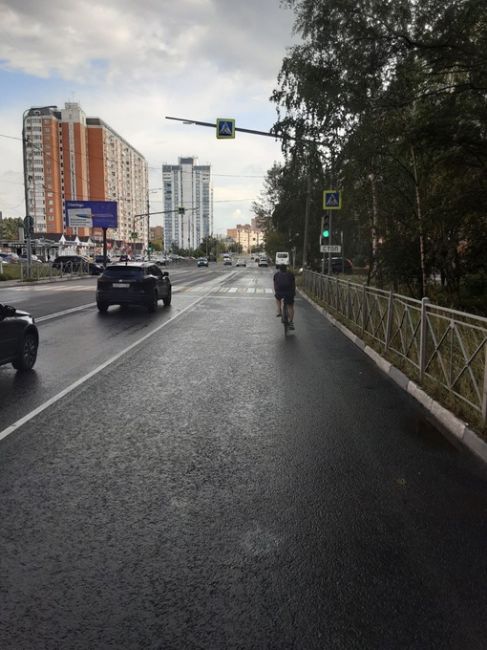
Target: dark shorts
286,296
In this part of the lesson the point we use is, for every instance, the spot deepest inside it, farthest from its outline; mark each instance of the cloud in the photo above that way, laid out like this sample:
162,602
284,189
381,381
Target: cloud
132,64
139,38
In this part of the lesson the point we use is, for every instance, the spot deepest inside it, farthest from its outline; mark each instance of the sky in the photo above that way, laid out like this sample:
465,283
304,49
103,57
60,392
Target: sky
133,63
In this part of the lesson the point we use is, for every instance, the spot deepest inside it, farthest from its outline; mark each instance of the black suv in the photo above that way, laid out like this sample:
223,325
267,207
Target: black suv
19,338
75,264
133,283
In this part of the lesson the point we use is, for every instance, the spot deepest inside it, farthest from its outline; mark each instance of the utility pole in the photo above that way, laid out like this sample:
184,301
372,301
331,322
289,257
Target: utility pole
306,221
148,227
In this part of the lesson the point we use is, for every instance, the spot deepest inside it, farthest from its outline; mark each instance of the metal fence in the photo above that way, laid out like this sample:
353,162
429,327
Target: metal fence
46,270
443,345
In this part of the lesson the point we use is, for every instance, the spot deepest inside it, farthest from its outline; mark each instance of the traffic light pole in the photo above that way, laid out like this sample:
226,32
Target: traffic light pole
330,240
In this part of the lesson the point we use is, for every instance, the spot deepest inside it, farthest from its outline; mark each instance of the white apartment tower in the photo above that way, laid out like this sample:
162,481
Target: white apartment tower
187,186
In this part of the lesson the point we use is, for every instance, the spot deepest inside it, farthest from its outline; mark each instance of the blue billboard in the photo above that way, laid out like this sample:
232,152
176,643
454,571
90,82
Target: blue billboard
91,214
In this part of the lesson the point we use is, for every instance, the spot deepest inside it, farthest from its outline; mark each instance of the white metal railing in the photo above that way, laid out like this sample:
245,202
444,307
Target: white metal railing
447,346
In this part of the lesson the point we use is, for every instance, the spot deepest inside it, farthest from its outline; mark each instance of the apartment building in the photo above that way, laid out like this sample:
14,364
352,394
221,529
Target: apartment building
247,236
188,203
73,157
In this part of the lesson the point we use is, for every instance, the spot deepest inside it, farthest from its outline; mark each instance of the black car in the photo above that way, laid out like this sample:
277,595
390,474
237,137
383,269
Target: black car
76,264
202,261
340,264
19,338
133,283
99,259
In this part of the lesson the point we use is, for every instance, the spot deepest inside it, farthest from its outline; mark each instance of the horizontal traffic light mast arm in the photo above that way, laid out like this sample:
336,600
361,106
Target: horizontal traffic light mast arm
252,131
144,214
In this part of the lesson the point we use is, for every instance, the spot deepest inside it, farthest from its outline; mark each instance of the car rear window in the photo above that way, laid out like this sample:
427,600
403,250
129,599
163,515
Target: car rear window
128,272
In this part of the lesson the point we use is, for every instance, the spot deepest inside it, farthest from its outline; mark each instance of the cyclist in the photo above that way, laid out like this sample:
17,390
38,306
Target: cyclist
284,289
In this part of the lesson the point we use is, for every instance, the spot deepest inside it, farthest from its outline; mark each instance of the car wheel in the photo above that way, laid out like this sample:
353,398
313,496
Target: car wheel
167,300
28,353
152,306
102,306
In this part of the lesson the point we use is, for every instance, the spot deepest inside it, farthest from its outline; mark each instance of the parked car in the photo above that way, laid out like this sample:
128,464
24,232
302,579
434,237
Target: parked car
19,338
10,258
263,261
33,258
241,262
202,261
76,263
133,283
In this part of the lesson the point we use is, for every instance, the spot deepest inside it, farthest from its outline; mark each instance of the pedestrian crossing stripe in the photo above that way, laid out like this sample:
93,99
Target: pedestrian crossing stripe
232,290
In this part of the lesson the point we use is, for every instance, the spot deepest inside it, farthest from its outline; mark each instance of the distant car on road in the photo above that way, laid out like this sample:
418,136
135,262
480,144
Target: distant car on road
227,261
76,263
133,283
202,261
19,338
241,262
99,259
340,264
263,261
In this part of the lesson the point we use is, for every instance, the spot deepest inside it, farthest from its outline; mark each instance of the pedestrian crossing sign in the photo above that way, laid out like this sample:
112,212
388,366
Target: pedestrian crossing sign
332,200
225,128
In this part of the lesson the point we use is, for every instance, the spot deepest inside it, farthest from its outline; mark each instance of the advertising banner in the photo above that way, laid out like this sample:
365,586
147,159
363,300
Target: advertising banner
91,214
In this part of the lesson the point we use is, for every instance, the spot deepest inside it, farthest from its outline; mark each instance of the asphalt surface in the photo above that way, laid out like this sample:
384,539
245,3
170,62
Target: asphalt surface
222,486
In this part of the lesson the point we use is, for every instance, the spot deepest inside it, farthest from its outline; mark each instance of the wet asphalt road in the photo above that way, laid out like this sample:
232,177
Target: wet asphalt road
221,486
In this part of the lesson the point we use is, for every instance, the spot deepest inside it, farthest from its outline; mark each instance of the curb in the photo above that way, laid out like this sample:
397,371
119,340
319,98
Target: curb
454,425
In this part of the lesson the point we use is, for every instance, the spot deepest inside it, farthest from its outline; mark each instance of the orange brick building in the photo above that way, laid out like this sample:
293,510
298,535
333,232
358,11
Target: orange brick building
72,157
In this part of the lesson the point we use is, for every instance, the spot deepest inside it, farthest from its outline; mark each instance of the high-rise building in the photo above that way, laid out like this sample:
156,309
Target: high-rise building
73,157
188,204
248,236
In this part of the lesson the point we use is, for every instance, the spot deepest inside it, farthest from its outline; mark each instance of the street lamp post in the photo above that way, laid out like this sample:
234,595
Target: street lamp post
26,189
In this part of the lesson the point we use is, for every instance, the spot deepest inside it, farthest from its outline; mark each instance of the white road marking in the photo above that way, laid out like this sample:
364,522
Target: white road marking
233,290
251,290
13,427
40,319
269,291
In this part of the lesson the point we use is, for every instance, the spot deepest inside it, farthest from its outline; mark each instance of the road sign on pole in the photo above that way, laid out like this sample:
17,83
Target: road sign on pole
330,249
225,128
332,200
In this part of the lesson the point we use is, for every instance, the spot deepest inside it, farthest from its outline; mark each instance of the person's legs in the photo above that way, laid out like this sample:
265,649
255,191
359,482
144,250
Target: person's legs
278,306
290,312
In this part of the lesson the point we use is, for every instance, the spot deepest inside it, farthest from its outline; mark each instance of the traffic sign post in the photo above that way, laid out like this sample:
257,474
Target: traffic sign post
225,128
330,248
332,200
29,231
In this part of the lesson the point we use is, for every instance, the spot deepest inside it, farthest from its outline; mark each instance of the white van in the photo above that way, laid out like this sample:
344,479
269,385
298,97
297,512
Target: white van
282,258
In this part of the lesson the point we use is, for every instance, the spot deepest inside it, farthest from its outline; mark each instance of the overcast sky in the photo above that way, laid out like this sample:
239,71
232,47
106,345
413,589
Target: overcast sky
131,63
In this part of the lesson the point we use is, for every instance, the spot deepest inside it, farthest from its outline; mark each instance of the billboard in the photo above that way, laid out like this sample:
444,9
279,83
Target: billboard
91,214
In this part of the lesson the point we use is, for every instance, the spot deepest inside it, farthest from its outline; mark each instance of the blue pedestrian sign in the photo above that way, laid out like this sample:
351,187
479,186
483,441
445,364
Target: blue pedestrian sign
225,128
332,200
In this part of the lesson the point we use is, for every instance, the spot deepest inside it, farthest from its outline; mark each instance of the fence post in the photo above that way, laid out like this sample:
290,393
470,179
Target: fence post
364,303
484,394
338,296
422,340
349,301
389,321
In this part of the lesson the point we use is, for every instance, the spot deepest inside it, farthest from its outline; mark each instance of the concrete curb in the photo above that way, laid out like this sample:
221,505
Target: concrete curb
454,425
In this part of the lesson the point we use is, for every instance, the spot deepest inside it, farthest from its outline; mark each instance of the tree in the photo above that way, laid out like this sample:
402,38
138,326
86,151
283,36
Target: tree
9,229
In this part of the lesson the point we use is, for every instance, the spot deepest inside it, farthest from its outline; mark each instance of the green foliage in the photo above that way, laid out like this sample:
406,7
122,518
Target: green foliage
9,229
389,99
